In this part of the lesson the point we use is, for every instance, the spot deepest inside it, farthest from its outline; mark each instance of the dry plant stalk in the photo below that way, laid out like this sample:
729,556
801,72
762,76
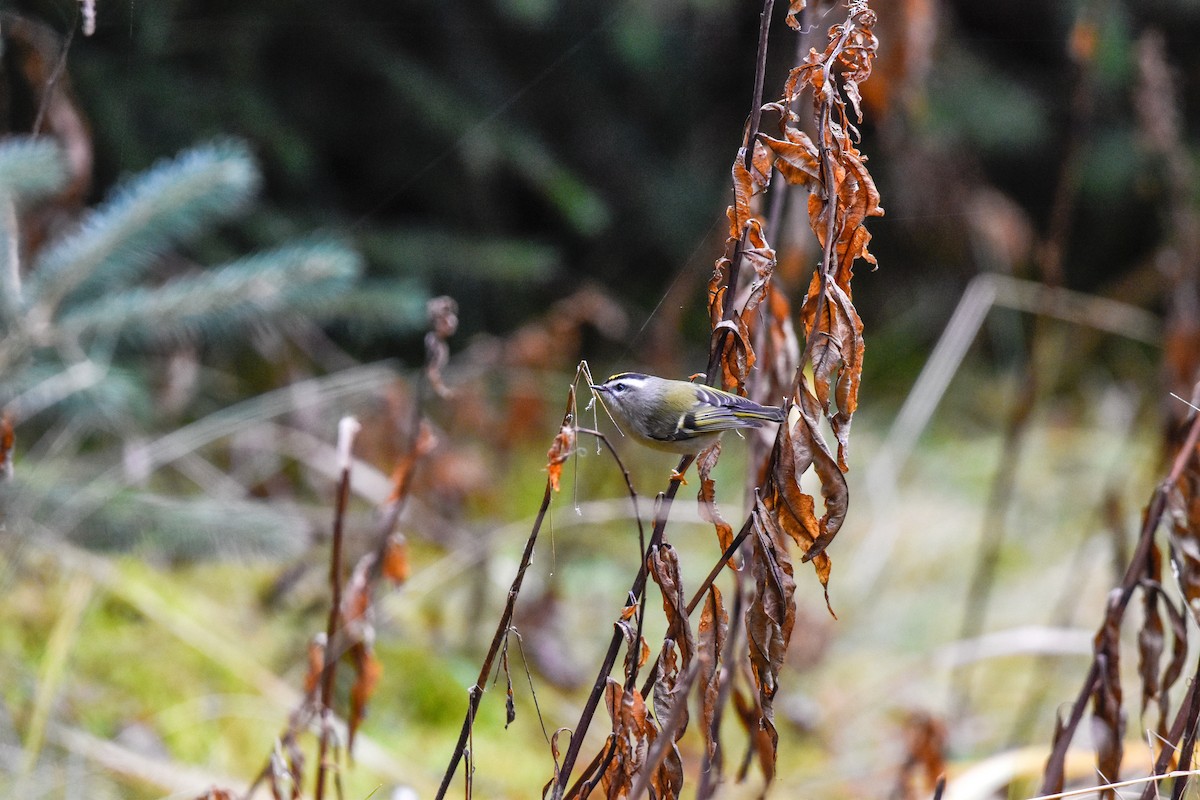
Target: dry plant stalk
640,752
1175,502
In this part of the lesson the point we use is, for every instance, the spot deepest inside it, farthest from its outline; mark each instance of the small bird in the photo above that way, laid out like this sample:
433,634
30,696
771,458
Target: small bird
678,416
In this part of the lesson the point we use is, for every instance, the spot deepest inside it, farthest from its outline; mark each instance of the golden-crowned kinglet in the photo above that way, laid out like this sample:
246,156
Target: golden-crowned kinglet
678,416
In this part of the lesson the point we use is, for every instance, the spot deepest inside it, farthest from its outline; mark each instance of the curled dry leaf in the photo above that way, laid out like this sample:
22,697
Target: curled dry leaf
712,632
316,663
670,706
737,354
560,451
1108,716
367,670
747,182
402,473
1156,687
925,750
796,159
837,356
772,614
635,646
794,8
1151,637
707,498
670,693
633,732
799,446
760,740
1184,510
396,566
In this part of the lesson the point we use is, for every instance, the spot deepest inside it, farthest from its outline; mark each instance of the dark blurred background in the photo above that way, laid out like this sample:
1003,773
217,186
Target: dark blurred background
506,152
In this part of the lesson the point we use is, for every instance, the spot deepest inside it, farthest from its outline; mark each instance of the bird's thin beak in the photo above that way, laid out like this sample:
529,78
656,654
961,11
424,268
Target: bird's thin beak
595,388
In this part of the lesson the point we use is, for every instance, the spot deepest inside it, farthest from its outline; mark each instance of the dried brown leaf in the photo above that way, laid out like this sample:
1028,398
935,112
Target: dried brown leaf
707,498
368,671
402,473
670,688
316,663
670,707
633,732
772,614
664,569
560,451
635,646
760,257
924,746
796,159
799,446
711,635
794,8
747,182
837,356
717,290
1108,716
737,354
1151,636
396,566
759,739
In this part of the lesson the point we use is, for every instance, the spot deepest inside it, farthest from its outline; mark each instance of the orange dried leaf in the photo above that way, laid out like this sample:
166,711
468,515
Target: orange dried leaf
664,569
707,498
395,559
925,749
425,442
633,732
837,356
316,663
369,670
772,614
716,291
560,451
737,354
794,8
760,257
356,596
796,159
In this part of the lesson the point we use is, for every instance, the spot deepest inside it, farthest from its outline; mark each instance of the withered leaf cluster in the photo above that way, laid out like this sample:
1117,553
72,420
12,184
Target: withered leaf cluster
757,351
820,380
753,326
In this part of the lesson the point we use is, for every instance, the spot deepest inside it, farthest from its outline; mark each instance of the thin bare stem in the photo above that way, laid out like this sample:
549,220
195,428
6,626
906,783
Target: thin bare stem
760,71
735,259
347,429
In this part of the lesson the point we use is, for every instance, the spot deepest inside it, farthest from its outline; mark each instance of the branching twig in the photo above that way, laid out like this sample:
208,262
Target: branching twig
614,645
1053,775
475,693
735,260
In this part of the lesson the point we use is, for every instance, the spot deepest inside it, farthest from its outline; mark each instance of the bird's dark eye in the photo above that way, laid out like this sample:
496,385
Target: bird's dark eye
619,387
